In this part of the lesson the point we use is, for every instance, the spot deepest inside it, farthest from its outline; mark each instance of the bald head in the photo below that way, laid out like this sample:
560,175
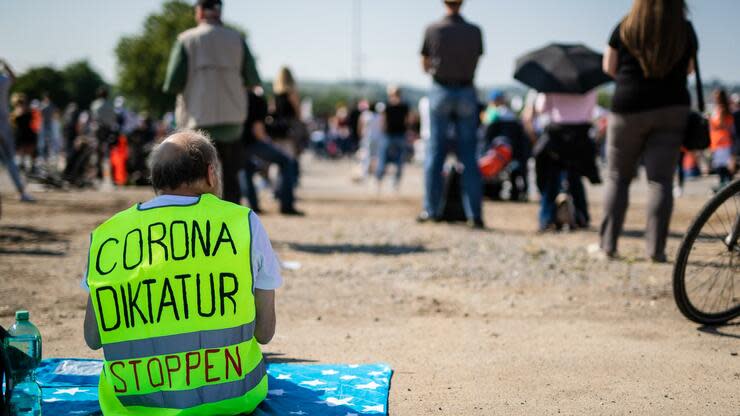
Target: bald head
186,163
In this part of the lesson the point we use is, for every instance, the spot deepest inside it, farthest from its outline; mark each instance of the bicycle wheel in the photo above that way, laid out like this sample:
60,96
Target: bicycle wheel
706,277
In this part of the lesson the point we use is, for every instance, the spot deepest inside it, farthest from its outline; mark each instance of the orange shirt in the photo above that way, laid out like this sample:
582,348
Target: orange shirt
720,131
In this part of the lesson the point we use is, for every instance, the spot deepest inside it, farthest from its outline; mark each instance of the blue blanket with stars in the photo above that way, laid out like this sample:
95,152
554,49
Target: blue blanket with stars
70,387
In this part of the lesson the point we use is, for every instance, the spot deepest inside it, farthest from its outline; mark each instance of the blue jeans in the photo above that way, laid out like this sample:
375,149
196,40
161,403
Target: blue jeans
392,149
7,155
551,185
288,172
453,107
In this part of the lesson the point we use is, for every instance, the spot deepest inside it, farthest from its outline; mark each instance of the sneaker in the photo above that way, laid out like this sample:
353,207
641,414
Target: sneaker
27,198
292,212
659,259
595,252
424,217
477,224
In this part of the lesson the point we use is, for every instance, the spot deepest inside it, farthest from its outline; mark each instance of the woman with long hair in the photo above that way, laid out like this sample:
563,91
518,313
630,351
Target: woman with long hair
721,129
650,56
286,126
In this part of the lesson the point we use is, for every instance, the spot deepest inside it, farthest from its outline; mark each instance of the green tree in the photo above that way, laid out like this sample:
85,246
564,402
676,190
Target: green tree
81,83
142,59
39,80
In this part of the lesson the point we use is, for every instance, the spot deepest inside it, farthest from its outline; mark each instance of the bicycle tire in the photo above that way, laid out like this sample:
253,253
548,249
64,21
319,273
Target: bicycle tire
680,294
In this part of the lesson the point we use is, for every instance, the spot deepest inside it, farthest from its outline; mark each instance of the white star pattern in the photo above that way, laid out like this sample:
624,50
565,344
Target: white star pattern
313,383
71,392
376,378
333,401
369,386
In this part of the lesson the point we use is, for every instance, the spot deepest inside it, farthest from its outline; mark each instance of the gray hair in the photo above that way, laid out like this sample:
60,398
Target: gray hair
182,159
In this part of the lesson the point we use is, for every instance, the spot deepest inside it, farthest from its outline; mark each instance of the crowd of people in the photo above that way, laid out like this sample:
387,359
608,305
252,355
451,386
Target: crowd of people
496,144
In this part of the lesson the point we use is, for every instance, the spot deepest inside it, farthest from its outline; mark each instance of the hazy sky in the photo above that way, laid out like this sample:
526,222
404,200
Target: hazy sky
315,37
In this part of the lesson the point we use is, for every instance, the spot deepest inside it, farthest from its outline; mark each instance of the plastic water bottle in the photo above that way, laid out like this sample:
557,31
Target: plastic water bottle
26,397
24,350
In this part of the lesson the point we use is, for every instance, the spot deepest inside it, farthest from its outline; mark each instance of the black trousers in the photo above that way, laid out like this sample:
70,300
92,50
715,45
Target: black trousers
232,160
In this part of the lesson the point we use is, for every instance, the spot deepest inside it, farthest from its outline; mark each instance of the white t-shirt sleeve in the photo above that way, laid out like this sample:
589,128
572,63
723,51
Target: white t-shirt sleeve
265,264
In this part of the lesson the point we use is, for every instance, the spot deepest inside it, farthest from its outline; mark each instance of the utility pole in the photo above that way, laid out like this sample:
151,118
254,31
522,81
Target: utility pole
357,46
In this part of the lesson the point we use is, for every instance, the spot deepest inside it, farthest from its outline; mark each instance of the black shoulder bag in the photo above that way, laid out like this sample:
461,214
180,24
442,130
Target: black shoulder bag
5,375
697,130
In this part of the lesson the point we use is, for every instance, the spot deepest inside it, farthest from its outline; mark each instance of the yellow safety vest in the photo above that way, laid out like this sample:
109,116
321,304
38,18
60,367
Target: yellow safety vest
173,295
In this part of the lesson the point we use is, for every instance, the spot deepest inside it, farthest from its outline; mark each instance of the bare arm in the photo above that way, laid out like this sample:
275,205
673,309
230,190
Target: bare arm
426,63
260,132
610,61
265,322
92,337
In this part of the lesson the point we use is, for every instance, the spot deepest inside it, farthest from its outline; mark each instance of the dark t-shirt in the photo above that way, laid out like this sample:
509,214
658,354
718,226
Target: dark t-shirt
395,118
736,142
283,107
454,47
257,111
635,92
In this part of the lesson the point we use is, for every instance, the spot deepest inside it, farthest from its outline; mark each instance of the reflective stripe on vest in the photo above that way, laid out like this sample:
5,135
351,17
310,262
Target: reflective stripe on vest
206,394
173,344
173,296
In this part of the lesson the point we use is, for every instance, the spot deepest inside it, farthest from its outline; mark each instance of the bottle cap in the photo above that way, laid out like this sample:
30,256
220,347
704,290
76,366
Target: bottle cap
21,315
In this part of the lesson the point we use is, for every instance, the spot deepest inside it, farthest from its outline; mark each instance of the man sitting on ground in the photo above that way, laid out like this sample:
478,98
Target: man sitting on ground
173,299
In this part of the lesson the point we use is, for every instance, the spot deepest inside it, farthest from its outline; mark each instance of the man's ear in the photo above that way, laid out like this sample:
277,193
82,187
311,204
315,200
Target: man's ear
212,178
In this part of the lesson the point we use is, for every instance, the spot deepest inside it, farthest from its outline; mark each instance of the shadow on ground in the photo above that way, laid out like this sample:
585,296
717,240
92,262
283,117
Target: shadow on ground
280,358
729,330
31,241
375,249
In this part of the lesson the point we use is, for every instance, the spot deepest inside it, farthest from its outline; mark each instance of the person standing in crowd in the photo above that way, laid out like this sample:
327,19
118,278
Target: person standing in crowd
186,181
7,140
371,130
722,129
650,55
564,154
257,145
70,122
210,66
450,54
286,126
105,127
393,142
47,148
736,133
502,122
25,136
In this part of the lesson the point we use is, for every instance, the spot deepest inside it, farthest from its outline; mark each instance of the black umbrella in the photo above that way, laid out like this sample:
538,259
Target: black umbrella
557,68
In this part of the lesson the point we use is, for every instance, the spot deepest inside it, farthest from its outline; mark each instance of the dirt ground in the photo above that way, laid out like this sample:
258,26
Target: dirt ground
502,321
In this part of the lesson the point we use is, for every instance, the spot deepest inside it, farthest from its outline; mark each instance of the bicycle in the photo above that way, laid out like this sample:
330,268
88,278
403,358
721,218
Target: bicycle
706,276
